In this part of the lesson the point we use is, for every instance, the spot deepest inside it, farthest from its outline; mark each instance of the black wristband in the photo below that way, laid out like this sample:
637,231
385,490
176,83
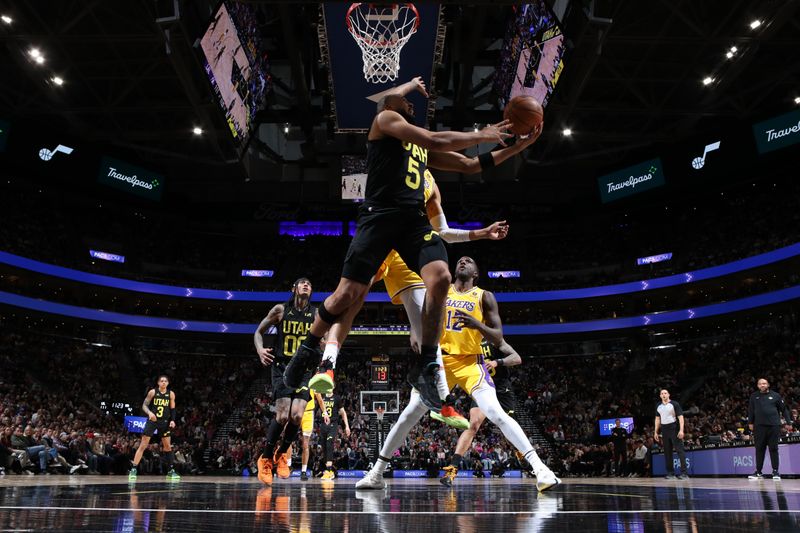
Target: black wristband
486,160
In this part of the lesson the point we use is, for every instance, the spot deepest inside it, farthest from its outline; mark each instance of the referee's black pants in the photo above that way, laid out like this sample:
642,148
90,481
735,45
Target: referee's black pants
767,436
669,432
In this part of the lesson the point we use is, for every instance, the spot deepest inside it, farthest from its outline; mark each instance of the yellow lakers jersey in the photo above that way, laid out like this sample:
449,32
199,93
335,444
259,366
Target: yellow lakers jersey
393,271
310,404
457,340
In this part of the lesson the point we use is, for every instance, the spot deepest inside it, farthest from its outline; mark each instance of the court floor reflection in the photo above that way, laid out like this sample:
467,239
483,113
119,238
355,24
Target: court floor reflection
419,506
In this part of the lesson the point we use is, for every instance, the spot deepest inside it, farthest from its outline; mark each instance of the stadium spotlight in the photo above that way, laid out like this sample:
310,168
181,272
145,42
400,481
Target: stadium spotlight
755,24
7,19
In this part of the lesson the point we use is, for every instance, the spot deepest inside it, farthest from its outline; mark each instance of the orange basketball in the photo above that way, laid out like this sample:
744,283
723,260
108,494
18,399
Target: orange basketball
525,113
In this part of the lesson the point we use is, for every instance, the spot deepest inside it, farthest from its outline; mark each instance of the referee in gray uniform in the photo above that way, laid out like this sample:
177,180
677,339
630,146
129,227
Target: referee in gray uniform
669,419
764,416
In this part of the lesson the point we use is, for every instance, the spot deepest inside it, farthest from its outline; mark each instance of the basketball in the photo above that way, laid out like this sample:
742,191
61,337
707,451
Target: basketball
525,113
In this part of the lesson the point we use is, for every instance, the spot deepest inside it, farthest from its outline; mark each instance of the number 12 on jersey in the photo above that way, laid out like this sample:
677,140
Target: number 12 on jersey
453,321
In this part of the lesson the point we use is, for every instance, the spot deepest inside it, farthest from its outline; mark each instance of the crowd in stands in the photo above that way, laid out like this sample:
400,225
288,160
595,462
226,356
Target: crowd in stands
51,391
51,388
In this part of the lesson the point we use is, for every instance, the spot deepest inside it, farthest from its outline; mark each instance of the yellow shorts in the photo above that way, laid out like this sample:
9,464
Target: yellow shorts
307,425
467,371
397,276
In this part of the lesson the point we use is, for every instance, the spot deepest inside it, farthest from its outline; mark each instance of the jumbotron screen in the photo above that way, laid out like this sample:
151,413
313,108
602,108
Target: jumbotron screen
236,66
531,60
354,177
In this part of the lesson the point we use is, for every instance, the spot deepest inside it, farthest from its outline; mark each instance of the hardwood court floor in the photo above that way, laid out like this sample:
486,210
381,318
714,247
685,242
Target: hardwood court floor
83,503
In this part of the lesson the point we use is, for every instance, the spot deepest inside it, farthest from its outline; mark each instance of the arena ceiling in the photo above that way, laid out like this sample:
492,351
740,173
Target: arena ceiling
633,77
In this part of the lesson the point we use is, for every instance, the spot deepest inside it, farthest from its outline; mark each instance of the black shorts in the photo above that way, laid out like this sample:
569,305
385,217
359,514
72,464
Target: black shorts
383,229
279,388
150,427
505,395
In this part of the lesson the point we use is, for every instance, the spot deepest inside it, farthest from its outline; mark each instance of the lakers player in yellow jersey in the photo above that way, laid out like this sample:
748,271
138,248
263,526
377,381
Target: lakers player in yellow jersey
307,427
471,314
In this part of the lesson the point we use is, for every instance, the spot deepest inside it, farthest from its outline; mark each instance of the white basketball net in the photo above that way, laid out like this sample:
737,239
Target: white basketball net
381,31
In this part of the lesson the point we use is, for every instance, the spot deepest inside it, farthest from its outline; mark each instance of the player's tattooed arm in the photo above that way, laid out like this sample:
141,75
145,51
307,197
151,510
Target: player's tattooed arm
146,405
274,316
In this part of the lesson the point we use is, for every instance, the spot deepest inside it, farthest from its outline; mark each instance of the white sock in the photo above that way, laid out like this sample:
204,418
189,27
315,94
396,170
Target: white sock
487,401
331,352
412,301
407,420
305,467
380,465
442,386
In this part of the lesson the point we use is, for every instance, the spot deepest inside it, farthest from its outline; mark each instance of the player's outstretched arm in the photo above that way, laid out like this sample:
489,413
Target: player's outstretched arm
495,231
392,124
455,162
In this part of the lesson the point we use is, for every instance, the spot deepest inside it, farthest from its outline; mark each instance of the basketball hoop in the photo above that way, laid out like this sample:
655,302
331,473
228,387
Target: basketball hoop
381,31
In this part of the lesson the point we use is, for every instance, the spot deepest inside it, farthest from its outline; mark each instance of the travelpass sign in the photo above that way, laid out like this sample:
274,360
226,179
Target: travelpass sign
130,178
631,180
777,132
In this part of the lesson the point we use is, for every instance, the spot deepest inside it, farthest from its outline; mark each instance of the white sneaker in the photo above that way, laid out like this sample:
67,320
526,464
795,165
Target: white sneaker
371,480
546,479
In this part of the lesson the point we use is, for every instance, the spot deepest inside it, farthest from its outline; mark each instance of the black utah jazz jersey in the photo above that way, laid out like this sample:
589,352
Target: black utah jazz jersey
331,406
500,374
395,173
161,405
292,330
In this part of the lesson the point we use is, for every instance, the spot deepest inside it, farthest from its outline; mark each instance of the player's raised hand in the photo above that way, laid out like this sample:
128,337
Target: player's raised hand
496,133
265,354
419,86
496,231
531,138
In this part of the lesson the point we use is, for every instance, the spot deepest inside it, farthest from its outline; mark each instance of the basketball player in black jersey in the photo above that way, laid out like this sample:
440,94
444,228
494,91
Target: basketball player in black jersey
292,321
393,217
332,410
497,360
161,418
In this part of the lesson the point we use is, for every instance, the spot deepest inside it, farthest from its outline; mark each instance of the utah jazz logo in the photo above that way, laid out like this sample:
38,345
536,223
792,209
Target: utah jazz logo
430,235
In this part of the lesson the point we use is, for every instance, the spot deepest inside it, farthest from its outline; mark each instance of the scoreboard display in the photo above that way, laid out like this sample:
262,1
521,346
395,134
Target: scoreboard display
379,374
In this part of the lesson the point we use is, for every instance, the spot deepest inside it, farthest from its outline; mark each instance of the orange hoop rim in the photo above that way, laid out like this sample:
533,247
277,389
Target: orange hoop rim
372,42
